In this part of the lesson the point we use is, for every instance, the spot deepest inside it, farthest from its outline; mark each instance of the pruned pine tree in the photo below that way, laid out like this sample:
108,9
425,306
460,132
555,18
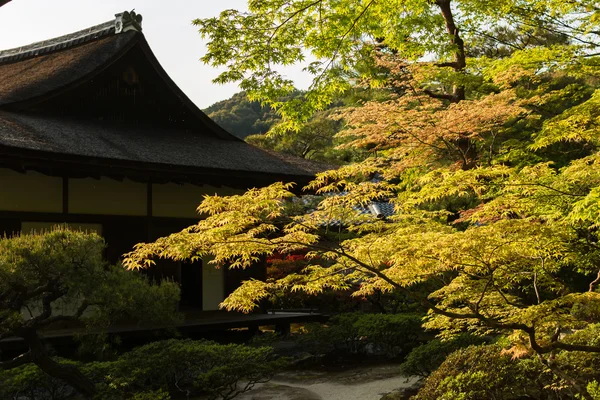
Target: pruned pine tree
60,277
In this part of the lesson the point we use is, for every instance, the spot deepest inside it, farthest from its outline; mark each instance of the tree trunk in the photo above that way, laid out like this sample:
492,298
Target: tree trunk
460,58
465,145
67,373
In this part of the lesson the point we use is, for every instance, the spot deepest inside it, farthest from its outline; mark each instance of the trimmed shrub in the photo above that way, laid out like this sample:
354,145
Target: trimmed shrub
425,359
483,372
390,334
30,382
187,367
157,371
358,333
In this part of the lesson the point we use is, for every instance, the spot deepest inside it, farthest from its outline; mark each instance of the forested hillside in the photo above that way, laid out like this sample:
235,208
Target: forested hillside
315,140
241,116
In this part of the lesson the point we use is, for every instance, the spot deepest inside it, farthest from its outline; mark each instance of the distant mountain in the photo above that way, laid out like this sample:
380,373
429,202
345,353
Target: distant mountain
242,117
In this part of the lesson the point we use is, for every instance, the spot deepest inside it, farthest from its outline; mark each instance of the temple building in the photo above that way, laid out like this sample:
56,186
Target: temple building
94,133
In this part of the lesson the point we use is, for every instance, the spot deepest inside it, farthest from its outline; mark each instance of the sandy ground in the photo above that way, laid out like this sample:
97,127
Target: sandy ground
369,383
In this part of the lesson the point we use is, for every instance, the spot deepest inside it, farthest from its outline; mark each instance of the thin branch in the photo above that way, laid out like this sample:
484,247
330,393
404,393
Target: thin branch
594,282
341,40
483,292
65,318
17,361
535,287
440,96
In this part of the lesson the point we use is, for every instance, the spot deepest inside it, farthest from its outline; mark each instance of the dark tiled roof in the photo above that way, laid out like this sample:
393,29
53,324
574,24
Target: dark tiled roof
306,165
36,76
142,144
40,72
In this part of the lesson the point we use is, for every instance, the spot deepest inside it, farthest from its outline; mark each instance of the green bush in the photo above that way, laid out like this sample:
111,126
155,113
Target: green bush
29,382
318,339
157,371
425,359
187,367
356,333
390,334
262,339
593,389
483,372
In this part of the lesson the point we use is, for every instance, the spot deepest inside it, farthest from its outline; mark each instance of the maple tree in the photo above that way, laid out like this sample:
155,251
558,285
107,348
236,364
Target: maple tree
492,164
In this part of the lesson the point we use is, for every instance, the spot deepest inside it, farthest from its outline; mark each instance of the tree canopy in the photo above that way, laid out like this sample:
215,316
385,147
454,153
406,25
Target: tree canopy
335,41
59,277
490,158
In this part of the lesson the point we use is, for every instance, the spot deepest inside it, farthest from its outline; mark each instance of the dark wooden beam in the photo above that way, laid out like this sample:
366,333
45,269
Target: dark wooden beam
65,195
149,199
90,218
149,211
75,166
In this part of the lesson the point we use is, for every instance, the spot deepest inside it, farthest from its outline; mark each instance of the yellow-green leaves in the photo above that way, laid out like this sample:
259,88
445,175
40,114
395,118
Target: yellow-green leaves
580,124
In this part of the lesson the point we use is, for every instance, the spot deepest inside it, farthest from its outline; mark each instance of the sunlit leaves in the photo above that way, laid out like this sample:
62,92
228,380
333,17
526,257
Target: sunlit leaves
495,196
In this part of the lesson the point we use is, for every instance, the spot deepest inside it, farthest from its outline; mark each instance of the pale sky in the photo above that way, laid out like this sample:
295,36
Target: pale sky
166,25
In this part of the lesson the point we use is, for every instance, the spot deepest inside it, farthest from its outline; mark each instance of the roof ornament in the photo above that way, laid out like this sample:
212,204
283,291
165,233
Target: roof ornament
128,21
376,210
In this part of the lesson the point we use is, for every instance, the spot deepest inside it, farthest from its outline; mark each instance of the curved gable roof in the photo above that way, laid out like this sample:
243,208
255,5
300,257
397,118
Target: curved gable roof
35,135
43,70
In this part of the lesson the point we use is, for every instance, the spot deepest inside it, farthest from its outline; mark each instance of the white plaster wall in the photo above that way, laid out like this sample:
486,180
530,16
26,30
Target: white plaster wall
213,286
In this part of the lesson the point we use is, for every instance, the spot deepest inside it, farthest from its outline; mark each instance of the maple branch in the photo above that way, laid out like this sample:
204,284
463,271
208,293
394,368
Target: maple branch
476,315
341,40
3,2
496,39
506,300
483,292
541,185
440,96
535,287
342,271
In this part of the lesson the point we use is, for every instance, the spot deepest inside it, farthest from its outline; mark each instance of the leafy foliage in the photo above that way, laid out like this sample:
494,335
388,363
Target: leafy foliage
30,382
491,164
315,141
59,277
425,359
335,40
354,333
186,367
482,372
155,371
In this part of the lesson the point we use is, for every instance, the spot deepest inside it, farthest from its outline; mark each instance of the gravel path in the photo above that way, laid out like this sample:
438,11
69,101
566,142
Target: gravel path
357,384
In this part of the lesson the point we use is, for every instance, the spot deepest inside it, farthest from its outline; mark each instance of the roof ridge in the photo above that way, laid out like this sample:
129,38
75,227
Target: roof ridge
58,43
122,22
